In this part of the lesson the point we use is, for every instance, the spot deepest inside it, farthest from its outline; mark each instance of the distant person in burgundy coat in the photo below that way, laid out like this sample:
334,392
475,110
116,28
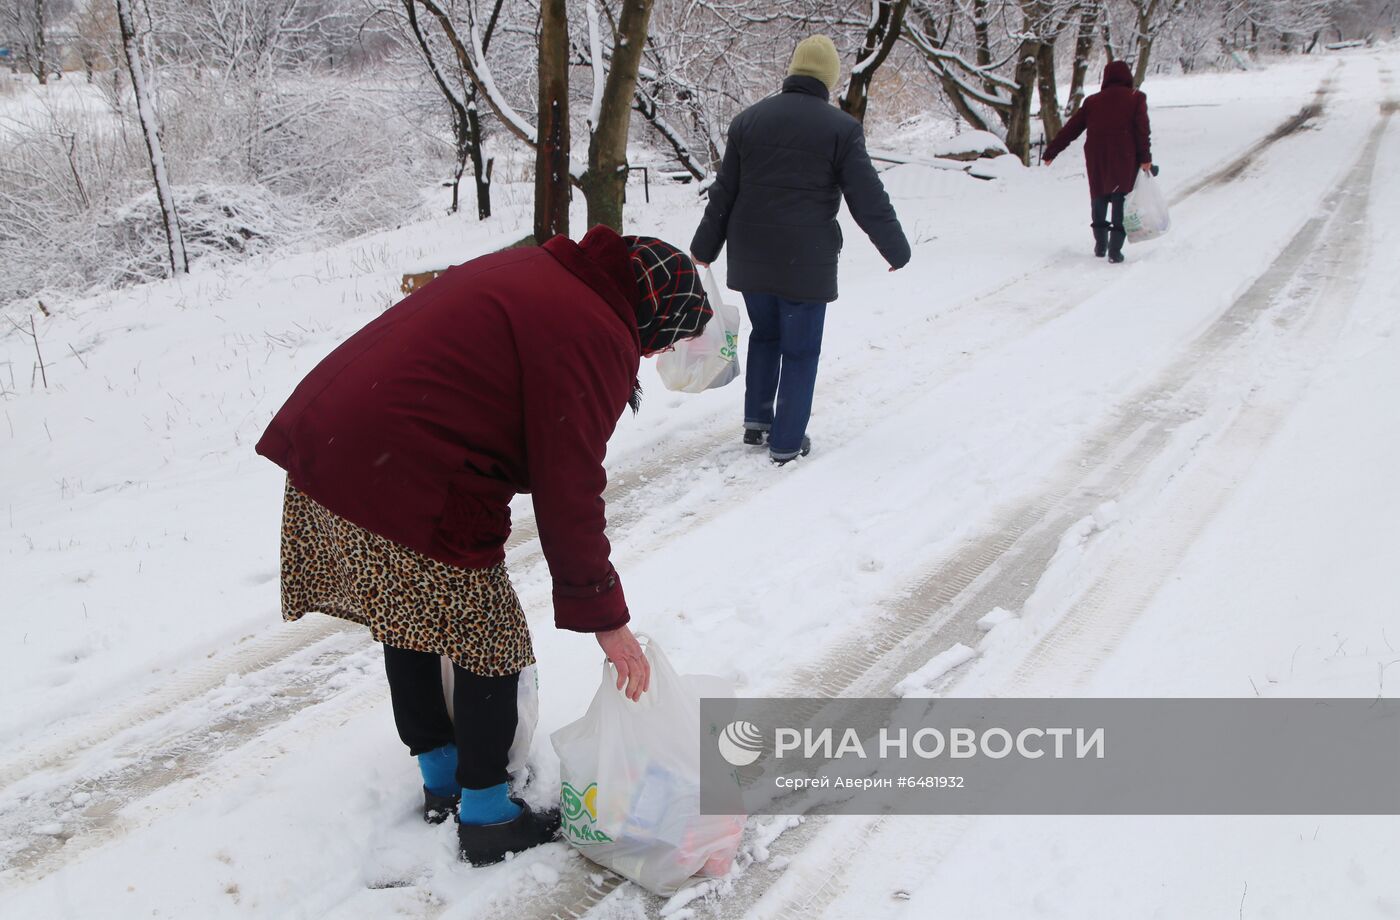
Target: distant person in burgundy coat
1119,144
403,449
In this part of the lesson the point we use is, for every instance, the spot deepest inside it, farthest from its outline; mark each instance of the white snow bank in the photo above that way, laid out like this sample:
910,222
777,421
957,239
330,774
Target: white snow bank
922,681
981,143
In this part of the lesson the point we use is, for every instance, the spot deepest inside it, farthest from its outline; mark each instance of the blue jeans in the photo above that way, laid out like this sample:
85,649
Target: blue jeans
784,346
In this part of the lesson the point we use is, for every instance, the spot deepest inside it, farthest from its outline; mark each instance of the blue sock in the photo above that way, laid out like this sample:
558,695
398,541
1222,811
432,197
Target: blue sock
487,806
439,769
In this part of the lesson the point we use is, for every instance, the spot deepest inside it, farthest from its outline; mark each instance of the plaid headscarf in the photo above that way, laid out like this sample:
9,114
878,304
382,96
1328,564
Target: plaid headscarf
673,304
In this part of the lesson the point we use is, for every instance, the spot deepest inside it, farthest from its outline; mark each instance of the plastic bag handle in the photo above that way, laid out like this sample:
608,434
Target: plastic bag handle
712,284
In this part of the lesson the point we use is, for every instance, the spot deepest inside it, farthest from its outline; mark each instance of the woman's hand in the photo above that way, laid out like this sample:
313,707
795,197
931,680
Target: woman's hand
1147,167
625,652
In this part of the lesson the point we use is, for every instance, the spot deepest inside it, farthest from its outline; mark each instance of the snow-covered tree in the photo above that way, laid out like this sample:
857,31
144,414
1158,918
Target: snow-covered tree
460,95
26,26
886,26
150,131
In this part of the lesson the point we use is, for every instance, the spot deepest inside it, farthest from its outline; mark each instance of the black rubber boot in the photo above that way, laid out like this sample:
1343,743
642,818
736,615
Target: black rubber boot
488,844
1115,245
754,436
1100,240
438,808
804,451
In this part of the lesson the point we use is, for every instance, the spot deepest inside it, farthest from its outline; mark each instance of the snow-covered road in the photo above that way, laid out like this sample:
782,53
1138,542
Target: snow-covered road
1175,475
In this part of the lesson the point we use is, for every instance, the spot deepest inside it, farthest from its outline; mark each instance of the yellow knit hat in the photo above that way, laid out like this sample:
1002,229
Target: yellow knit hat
816,57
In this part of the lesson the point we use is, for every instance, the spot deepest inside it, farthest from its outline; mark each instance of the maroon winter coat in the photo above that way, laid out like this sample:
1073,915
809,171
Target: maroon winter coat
506,374
1120,137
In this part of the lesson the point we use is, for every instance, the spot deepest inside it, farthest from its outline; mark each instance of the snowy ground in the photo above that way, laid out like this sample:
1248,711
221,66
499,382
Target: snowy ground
1176,475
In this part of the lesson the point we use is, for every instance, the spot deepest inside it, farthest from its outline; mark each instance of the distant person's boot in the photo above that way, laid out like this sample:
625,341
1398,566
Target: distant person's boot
1115,245
1100,241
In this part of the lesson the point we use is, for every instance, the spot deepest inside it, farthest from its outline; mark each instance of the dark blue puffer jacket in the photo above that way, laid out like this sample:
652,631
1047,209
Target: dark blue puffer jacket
789,161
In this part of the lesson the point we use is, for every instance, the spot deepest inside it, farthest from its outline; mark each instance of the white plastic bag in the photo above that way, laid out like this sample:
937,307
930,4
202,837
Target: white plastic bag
527,711
630,782
710,359
1145,214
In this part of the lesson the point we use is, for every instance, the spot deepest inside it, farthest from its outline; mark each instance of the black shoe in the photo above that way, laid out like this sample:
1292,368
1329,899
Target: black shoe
804,451
754,436
1100,241
1116,238
488,844
438,808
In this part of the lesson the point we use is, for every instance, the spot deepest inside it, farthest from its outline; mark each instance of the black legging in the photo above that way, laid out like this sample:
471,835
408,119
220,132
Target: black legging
1100,209
485,710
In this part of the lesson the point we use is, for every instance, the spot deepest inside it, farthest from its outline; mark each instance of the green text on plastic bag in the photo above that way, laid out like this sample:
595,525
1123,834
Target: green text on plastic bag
579,814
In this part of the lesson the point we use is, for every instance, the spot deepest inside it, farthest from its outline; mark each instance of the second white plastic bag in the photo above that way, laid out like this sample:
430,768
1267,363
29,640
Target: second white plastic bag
1145,214
527,711
630,782
710,359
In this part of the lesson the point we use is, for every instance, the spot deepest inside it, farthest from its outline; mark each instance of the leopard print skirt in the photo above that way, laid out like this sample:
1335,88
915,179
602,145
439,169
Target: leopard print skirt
407,600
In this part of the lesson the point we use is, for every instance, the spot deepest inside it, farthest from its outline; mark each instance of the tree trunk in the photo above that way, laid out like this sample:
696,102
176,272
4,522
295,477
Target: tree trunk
605,183
481,171
41,50
460,129
886,22
1144,54
552,188
1018,128
981,30
1049,93
1083,47
150,128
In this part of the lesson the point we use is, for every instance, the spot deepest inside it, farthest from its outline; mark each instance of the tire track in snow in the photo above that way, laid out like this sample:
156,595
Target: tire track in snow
97,817
46,827
1236,167
332,644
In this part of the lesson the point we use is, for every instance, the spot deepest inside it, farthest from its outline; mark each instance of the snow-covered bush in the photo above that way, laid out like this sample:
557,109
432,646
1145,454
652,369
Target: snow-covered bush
324,145
310,161
220,223
276,127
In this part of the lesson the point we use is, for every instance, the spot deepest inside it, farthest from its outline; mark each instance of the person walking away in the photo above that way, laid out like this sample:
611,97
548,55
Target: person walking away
403,449
789,160
1119,143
